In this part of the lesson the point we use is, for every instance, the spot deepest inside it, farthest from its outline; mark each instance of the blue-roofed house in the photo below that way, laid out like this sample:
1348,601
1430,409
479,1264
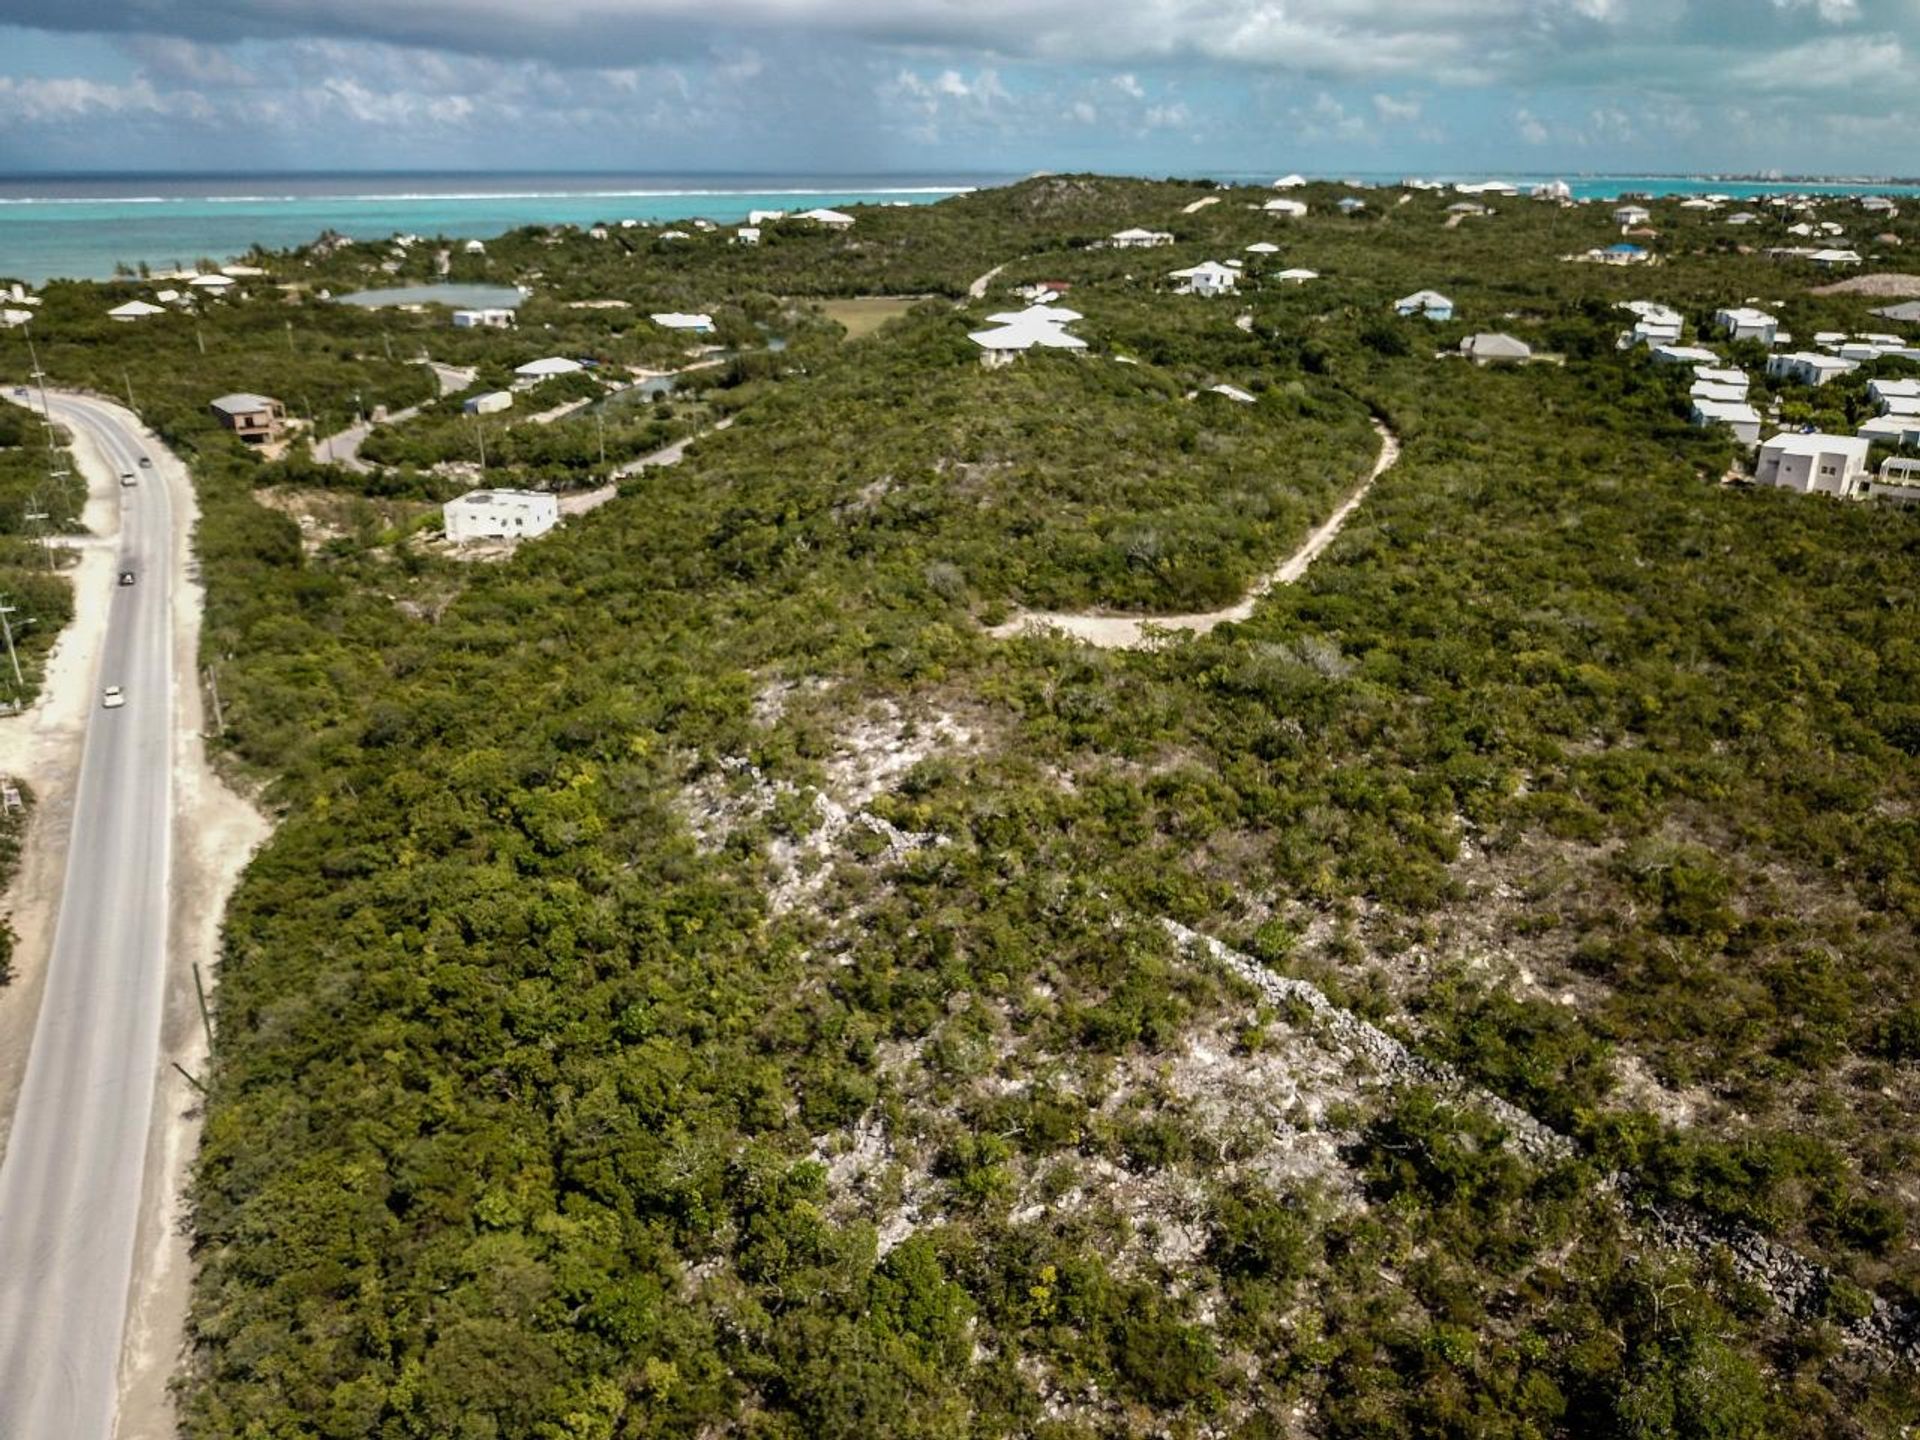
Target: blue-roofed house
1430,303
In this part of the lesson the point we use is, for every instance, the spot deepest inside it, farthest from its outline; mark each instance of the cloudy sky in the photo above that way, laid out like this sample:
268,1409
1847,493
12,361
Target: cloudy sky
1001,86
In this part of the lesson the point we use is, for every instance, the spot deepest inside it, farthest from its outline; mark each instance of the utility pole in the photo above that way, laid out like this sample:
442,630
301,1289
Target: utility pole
600,424
35,517
6,627
40,378
480,434
199,337
290,337
387,340
127,375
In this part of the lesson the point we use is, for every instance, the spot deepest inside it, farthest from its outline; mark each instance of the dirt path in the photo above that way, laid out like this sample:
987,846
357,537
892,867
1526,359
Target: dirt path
978,289
1137,632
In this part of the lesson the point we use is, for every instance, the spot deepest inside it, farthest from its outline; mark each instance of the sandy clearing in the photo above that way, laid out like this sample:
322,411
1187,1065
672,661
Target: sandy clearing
1889,286
215,833
42,746
1139,632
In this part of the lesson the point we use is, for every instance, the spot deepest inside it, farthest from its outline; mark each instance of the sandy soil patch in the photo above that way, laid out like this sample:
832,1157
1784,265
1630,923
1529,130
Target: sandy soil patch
1888,286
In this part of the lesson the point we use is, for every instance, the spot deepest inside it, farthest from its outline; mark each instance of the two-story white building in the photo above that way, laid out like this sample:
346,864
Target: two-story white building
1209,277
1744,323
1813,464
1808,367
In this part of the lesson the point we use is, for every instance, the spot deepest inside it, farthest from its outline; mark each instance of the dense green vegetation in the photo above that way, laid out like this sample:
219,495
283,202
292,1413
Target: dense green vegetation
552,1099
40,498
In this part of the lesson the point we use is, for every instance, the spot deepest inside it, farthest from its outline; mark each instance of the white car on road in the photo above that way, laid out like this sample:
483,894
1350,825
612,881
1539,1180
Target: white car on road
113,697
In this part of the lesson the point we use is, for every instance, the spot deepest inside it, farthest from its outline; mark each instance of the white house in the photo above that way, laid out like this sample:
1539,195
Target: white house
213,284
1289,182
1297,276
696,324
1719,394
1721,375
1813,464
500,515
1834,259
11,318
1808,367
1430,303
1897,483
765,217
1494,348
1552,190
491,319
832,219
1656,330
1207,278
1900,430
1292,209
1263,247
492,403
1743,217
1743,323
134,310
1881,391
1632,215
546,369
1683,355
1007,343
747,235
1736,415
474,247
1138,239
1351,204
1036,315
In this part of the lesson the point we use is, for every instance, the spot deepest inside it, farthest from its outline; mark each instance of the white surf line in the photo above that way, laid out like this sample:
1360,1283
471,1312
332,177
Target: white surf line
1138,632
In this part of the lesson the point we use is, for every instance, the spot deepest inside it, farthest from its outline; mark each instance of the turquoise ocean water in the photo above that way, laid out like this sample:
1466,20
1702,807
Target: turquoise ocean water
82,226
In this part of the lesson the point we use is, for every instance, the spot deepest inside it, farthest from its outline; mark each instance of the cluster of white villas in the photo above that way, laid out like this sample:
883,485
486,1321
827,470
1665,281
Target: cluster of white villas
212,285
1811,463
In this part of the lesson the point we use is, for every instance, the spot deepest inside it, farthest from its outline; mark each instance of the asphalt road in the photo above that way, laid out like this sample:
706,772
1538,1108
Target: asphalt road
71,1180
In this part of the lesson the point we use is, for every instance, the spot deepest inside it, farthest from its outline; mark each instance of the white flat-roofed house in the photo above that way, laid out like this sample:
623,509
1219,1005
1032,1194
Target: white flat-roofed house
764,217
1835,259
1292,209
1737,415
1632,215
673,320
1654,331
1723,376
1720,394
1903,406
1899,430
1813,464
1808,367
1744,323
488,319
1430,303
256,419
1881,391
546,369
1207,278
1138,239
1898,482
747,235
1007,343
1682,355
832,219
500,515
491,403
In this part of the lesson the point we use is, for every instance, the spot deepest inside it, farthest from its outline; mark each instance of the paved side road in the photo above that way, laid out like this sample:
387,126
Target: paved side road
70,1182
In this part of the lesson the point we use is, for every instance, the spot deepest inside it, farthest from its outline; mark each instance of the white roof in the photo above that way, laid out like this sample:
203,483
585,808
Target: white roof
825,216
551,365
136,307
676,321
1711,390
513,499
1232,392
243,402
1685,354
1263,247
1289,182
1496,346
1720,375
1206,267
1652,310
212,282
1743,315
1026,337
1299,275
1818,444
1136,233
1286,207
1049,314
1889,427
1834,257
1730,412
1887,389
15,317
1424,299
